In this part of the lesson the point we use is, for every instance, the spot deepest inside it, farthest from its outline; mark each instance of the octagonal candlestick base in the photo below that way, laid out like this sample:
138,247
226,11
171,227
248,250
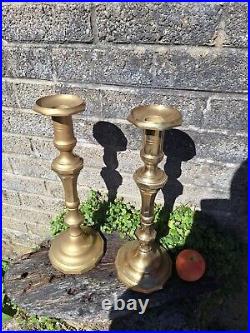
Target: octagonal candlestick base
78,249
142,264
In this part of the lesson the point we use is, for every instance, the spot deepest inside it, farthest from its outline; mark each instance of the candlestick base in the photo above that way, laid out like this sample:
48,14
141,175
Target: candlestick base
76,254
143,272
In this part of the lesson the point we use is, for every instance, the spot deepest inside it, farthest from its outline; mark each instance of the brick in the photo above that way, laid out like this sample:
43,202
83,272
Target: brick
90,96
28,93
47,22
28,238
120,136
103,65
17,121
23,184
129,161
27,62
220,147
24,226
202,69
75,20
16,144
91,154
187,143
28,216
92,179
207,145
186,172
192,195
193,172
230,114
236,21
44,203
117,104
32,167
6,165
204,175
13,224
44,148
55,189
41,231
8,94
117,135
11,197
83,192
189,194
163,23
26,22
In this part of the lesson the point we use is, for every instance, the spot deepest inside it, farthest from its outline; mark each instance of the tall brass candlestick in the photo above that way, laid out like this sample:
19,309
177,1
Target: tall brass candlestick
143,265
78,249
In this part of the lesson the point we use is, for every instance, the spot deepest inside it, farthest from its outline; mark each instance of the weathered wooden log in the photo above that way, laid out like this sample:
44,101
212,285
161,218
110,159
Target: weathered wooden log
33,284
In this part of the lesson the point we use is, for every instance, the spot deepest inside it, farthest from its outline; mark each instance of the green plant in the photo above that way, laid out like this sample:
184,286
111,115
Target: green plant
94,208
32,322
187,228
121,217
101,214
110,216
57,224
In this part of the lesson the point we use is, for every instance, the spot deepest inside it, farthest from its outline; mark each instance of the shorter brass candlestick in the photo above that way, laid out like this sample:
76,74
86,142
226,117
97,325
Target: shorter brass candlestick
78,249
143,265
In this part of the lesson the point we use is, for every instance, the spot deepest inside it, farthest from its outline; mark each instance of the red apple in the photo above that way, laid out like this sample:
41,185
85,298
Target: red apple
190,265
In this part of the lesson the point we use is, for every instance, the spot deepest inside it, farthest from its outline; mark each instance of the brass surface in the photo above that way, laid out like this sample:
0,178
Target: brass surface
59,105
78,249
155,117
142,264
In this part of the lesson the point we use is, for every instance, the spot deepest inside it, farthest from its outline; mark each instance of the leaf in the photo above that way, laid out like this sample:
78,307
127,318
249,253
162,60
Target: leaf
5,317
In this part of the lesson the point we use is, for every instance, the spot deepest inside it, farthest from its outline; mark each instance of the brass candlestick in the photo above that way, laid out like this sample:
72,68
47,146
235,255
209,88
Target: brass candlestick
78,249
142,265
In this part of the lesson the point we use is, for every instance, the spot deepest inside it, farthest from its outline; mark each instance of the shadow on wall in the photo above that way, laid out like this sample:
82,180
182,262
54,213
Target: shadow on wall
112,139
234,210
178,147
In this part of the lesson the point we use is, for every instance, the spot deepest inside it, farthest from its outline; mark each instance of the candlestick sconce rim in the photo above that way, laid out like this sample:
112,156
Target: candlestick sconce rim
155,117
59,105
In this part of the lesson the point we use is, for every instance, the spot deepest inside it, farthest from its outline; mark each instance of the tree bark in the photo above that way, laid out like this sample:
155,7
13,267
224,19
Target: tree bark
34,285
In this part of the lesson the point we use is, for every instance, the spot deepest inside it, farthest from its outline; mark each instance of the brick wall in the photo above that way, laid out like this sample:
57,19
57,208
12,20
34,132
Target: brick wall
116,56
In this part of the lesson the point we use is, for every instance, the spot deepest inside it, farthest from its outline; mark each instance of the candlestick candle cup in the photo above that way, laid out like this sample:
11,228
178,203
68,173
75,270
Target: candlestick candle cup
142,264
79,248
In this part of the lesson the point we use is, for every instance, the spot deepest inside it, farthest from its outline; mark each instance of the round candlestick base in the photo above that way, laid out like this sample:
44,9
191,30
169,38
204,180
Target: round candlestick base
143,272
76,254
